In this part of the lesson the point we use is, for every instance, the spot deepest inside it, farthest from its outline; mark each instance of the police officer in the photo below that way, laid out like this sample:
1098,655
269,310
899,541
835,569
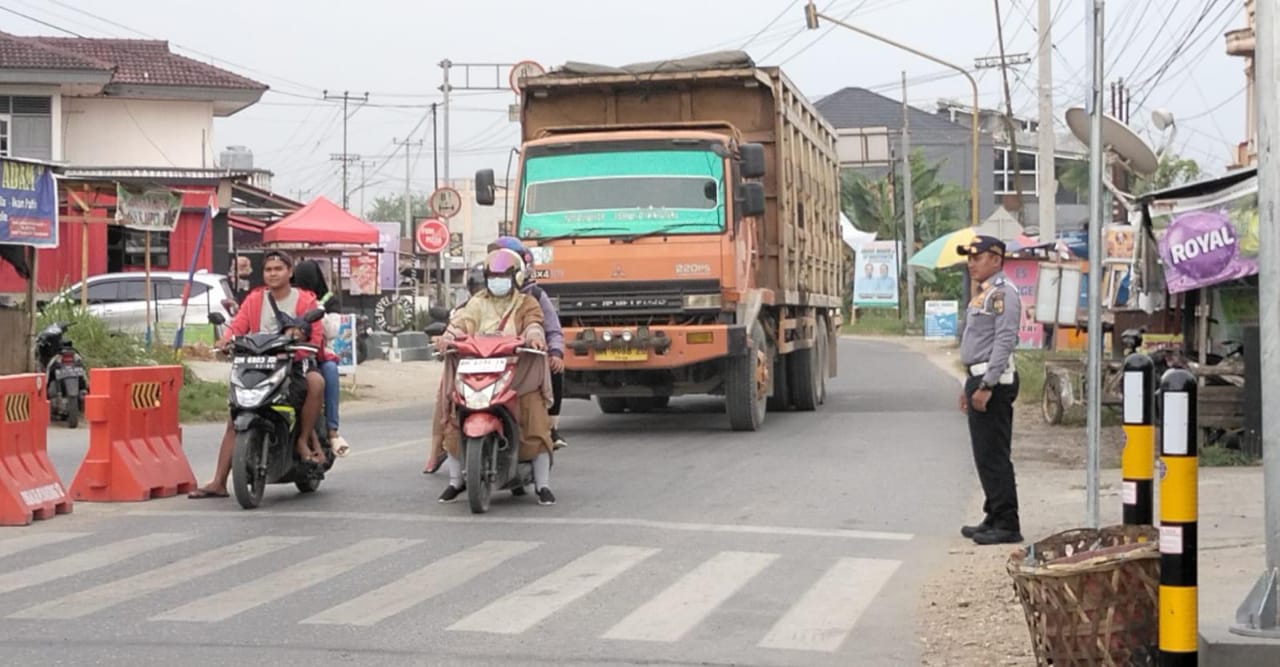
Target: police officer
990,337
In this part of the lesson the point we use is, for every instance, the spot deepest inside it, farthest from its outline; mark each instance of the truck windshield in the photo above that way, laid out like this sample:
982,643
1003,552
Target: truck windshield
625,192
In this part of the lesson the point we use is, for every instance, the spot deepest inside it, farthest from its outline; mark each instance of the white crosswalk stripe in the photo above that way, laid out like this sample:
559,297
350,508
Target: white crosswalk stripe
293,578
86,561
109,594
675,611
827,612
422,585
528,606
16,545
667,608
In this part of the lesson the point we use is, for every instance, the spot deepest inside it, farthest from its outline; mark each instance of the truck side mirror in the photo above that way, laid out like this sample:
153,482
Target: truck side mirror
752,158
751,199
485,187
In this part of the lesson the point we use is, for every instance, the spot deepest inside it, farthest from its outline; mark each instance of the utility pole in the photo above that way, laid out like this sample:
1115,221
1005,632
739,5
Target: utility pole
1046,165
1008,115
1097,213
345,158
364,184
445,65
908,203
299,194
1119,175
1258,614
435,151
408,197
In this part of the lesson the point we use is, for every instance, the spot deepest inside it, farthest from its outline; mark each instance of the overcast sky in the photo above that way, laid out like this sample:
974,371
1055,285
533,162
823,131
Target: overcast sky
1172,52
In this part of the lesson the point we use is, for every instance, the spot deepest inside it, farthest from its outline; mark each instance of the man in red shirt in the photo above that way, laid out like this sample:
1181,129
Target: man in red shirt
257,316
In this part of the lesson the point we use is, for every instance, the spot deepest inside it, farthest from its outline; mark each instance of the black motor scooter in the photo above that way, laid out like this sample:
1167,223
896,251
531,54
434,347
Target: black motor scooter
266,414
66,377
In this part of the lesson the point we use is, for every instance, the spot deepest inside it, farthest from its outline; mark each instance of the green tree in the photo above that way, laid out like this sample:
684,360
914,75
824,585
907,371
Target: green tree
1171,171
390,208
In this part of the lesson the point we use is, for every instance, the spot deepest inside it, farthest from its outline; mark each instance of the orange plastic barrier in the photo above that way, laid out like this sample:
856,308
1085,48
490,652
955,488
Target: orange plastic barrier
135,442
29,486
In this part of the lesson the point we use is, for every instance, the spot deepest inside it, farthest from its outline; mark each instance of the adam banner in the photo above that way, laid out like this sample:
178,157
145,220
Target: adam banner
28,204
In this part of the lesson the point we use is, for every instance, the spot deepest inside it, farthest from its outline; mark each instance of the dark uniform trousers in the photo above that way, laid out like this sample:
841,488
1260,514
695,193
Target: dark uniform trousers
991,434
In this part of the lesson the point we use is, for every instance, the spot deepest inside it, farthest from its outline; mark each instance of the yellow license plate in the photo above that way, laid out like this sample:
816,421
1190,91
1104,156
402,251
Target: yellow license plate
622,355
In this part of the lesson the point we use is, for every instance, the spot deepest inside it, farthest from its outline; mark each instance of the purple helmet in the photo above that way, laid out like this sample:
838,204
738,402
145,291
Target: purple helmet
503,261
512,243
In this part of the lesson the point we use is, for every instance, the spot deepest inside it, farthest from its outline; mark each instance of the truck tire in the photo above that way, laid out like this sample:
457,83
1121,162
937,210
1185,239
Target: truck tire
809,372
611,405
747,382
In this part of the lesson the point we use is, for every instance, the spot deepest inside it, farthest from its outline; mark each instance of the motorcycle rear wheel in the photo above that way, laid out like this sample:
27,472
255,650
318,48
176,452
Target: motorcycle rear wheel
247,484
479,487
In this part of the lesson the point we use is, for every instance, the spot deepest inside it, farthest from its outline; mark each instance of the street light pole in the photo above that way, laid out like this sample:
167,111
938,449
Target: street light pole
811,16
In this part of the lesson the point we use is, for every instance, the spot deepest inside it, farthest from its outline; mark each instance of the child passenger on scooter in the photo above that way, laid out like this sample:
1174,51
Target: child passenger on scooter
501,308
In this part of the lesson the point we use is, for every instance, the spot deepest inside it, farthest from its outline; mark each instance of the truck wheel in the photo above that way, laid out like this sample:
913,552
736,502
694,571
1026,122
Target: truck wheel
809,372
747,382
611,405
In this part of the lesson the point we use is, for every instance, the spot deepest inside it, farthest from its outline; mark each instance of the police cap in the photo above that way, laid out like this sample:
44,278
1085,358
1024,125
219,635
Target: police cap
981,244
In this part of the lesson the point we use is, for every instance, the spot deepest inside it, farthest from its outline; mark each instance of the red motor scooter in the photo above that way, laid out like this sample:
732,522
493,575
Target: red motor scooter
486,405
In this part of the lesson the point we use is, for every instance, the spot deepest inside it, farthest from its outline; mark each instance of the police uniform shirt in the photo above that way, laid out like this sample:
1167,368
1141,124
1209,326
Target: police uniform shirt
991,329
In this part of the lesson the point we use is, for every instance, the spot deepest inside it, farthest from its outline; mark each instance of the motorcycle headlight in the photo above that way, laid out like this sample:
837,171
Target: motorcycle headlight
252,397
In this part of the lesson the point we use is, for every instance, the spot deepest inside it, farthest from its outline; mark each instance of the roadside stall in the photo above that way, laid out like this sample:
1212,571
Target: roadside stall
347,248
1206,235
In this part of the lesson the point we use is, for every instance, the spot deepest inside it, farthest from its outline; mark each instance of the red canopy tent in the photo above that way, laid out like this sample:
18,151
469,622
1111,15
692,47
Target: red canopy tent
321,223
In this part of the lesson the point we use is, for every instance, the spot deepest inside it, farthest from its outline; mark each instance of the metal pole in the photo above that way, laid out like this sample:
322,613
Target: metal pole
1138,455
908,203
1046,184
435,150
446,264
1096,216
1258,613
811,16
1179,521
344,149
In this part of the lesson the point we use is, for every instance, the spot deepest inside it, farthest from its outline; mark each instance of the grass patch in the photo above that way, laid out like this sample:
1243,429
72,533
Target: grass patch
875,323
1215,456
103,348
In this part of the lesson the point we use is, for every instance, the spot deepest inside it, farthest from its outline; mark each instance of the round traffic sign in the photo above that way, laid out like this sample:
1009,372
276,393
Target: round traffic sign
523,70
445,202
432,236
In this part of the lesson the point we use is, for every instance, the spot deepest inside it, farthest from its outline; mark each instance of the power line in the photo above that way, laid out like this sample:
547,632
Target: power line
768,25
43,23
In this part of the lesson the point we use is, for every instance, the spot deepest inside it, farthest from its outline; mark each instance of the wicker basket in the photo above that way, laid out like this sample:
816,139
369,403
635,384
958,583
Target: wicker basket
1090,596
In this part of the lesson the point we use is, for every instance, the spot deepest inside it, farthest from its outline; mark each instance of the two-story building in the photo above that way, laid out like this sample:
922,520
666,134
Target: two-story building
869,140
121,111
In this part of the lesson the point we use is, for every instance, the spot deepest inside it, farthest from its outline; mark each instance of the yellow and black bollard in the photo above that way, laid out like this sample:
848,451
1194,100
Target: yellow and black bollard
1137,462
1179,617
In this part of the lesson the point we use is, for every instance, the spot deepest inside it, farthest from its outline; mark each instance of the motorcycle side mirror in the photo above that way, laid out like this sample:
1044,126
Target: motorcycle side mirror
314,315
217,319
435,329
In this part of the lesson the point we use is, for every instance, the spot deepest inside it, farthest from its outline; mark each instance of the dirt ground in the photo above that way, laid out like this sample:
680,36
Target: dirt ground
970,613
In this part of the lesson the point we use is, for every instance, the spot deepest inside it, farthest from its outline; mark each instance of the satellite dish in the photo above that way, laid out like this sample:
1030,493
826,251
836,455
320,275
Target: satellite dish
1132,151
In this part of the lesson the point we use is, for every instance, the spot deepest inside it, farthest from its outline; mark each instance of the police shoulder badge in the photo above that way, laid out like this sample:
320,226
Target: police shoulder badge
997,303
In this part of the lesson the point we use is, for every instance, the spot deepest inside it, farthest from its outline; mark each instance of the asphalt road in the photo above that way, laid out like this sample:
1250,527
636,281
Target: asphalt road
675,541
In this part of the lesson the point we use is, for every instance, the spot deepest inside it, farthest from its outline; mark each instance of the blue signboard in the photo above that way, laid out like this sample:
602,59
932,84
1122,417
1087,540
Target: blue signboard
28,204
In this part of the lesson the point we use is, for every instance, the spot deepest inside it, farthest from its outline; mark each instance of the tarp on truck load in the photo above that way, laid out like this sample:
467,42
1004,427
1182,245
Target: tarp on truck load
706,61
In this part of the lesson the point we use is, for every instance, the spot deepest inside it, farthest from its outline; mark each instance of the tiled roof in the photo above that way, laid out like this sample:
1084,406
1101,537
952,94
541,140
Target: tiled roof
132,61
29,53
859,107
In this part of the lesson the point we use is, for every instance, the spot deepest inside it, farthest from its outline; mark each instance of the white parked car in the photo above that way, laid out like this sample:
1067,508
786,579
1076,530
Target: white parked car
119,300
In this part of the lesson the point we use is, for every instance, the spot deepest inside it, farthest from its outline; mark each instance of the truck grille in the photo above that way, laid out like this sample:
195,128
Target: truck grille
621,302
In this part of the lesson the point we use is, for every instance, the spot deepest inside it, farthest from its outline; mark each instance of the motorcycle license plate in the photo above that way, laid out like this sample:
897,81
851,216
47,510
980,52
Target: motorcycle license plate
254,362
478,366
68,372
625,354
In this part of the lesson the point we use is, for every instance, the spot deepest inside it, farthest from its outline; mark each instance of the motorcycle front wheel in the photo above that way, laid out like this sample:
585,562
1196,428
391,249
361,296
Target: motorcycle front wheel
479,486
246,481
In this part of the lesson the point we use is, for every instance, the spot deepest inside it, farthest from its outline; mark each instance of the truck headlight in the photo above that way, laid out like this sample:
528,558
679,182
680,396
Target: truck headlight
702,301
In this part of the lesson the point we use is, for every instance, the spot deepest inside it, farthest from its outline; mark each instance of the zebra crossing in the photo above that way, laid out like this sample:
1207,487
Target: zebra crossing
670,607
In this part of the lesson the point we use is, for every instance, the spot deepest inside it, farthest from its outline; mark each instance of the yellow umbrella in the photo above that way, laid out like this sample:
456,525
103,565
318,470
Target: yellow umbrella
942,252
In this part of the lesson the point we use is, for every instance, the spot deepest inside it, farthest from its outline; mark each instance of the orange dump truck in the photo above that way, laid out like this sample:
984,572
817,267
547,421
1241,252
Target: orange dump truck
684,218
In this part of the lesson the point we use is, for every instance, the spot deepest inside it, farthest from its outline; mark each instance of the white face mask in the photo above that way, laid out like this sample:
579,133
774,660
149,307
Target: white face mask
499,285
